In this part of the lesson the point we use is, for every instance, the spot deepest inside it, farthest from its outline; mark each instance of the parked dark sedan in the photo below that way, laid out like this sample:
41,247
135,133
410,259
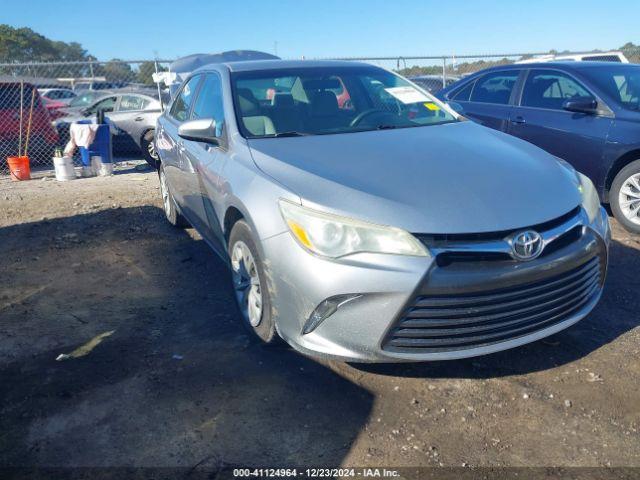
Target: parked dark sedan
587,113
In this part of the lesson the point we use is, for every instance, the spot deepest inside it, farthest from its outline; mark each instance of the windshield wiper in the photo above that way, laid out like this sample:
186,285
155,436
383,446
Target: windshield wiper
291,133
391,127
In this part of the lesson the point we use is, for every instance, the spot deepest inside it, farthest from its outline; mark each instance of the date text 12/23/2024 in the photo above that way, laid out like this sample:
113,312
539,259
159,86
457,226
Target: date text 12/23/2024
315,473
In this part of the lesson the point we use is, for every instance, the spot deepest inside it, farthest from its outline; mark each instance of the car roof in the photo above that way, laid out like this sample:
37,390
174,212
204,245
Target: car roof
257,65
565,64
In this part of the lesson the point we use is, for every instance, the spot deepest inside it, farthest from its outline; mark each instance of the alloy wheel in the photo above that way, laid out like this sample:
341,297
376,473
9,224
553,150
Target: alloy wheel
166,199
151,150
246,283
629,198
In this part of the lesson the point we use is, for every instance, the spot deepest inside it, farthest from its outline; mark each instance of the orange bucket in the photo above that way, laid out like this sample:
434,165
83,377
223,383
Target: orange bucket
19,168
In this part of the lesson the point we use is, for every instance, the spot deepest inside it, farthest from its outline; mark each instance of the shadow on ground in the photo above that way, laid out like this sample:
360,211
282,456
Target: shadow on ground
177,383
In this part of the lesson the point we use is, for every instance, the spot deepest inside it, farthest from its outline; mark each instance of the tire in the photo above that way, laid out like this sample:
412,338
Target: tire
148,147
250,284
624,197
174,217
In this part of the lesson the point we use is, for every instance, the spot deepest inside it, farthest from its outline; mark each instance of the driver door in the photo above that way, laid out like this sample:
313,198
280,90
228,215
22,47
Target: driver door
203,164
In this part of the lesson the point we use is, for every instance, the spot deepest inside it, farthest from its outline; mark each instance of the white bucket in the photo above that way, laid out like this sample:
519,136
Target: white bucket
102,169
64,168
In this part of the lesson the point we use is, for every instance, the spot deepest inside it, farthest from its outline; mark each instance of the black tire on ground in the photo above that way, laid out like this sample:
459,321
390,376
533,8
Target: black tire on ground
169,206
614,196
265,331
149,149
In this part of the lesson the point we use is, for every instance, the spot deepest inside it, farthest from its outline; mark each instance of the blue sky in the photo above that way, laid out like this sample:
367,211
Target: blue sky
138,29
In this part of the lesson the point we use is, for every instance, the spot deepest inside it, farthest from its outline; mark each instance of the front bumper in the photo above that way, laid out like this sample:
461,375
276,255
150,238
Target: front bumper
388,284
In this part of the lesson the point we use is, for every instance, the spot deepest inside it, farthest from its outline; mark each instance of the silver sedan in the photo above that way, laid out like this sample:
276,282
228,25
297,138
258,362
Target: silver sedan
364,220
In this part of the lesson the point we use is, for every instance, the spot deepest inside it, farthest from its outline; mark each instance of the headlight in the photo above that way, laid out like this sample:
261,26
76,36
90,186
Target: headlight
335,236
590,198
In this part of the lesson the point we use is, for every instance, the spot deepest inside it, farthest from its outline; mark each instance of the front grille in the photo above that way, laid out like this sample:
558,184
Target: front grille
435,323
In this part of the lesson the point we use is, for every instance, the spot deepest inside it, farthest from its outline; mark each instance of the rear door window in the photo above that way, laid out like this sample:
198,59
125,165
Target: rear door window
495,87
130,103
550,89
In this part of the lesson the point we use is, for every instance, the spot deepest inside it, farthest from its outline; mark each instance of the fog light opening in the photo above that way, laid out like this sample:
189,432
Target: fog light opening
325,309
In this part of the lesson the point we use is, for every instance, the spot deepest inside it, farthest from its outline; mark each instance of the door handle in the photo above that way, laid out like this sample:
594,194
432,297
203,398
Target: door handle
138,119
518,120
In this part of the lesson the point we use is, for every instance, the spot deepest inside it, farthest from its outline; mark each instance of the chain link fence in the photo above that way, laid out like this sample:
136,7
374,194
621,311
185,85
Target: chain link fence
436,72
39,101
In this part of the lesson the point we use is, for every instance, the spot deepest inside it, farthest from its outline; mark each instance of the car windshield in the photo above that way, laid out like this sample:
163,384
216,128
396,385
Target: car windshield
622,84
326,100
84,99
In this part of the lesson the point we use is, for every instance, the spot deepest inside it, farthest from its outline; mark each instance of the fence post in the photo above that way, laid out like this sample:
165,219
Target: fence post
444,72
155,64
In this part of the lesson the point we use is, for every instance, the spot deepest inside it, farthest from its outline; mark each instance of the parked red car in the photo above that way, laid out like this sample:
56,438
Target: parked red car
43,137
54,107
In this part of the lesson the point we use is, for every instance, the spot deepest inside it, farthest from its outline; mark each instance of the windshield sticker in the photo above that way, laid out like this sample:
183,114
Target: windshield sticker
432,106
407,94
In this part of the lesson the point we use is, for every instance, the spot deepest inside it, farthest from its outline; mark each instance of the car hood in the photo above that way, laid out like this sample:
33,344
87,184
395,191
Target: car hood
452,178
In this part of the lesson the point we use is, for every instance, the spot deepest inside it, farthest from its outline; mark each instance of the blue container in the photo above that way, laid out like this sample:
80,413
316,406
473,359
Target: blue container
101,145
85,156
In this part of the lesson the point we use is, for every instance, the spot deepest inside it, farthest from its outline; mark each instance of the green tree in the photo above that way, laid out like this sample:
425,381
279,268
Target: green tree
116,70
145,72
25,45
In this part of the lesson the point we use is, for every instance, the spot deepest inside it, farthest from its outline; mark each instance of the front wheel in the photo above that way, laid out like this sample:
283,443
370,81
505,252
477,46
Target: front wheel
174,217
250,284
625,197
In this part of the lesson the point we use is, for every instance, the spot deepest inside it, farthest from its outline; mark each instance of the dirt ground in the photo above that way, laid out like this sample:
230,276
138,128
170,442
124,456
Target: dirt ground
159,372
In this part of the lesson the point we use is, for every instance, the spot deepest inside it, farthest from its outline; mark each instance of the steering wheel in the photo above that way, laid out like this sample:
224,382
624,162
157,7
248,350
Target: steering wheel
367,113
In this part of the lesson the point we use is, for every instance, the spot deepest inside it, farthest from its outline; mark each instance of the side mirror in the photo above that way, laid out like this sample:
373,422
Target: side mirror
581,105
203,130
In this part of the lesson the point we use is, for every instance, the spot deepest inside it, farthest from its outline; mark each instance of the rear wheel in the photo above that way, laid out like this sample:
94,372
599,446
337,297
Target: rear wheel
148,147
250,284
625,197
174,217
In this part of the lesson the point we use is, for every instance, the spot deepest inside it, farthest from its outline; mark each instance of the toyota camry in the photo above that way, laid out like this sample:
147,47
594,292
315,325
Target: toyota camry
383,228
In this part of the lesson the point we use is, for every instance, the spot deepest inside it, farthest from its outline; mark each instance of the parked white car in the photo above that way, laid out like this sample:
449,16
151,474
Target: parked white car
615,56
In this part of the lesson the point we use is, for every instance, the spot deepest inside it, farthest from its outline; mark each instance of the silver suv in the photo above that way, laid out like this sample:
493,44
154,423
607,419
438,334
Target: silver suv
364,220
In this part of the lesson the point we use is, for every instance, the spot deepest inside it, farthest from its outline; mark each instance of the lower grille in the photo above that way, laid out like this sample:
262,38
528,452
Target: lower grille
457,322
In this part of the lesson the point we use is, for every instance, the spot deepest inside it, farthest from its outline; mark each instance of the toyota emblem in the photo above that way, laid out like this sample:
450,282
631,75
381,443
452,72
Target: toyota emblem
526,245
